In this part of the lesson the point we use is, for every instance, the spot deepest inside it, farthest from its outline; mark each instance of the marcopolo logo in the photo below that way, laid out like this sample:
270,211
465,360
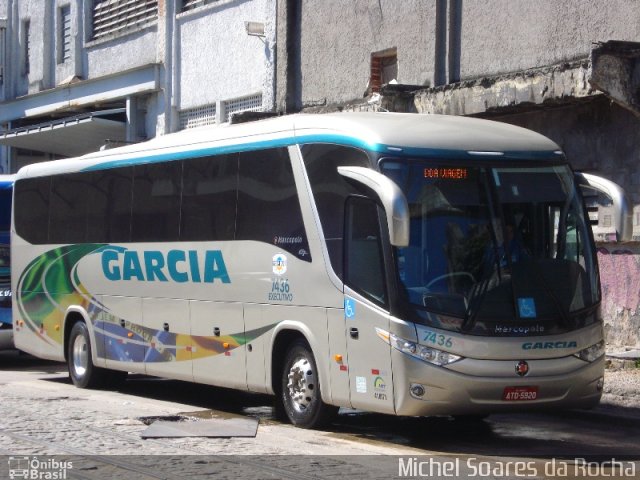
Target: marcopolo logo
548,345
179,266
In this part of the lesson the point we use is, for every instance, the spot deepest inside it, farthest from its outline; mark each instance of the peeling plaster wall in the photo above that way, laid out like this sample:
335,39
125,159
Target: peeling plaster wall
620,277
534,87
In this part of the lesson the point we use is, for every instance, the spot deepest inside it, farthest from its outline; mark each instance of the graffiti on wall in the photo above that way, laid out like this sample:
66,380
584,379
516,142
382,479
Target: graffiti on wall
620,280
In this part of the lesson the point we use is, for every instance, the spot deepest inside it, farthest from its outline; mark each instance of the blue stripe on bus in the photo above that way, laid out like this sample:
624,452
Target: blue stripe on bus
141,158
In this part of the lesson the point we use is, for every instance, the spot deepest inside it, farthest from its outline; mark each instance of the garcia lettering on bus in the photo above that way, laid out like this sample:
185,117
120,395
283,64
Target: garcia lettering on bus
155,266
548,345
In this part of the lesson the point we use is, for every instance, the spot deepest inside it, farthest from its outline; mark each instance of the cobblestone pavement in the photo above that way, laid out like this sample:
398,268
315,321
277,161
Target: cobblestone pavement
44,415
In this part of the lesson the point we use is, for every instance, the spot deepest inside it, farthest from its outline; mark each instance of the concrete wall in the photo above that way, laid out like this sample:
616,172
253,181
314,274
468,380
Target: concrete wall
105,57
499,36
444,41
339,36
620,278
217,60
89,59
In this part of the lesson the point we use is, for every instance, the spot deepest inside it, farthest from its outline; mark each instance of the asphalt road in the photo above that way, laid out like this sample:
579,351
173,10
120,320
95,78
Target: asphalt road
43,415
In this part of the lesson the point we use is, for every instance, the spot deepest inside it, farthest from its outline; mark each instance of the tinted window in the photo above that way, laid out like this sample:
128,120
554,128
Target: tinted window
364,263
209,198
5,209
68,208
32,209
156,202
330,190
268,206
109,206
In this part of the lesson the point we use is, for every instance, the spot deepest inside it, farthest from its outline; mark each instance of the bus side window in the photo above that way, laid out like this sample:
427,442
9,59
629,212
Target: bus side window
330,191
268,208
155,212
209,194
68,208
363,265
32,209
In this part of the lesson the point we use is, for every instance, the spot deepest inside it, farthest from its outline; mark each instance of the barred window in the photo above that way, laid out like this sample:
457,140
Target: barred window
65,34
198,116
26,47
116,16
193,4
251,103
3,31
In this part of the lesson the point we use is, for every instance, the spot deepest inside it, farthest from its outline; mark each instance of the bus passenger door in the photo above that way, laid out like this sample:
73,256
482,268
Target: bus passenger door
365,308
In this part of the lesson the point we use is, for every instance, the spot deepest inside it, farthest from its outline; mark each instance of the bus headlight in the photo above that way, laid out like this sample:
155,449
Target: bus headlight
591,353
421,352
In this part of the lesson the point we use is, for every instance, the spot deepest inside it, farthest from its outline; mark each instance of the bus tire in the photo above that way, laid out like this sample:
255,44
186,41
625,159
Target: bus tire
300,394
83,373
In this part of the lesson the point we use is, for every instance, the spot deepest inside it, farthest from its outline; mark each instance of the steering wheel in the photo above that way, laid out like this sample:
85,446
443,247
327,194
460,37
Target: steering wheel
451,274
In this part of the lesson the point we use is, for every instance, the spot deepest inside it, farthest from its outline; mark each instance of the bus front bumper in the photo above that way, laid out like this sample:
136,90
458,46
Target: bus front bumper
423,389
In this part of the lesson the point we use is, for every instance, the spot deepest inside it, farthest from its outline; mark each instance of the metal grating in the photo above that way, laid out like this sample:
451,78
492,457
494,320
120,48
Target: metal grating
198,116
65,33
252,103
193,4
115,16
26,42
2,54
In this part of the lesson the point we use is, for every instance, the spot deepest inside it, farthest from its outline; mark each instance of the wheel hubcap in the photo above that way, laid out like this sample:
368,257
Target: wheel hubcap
80,356
301,384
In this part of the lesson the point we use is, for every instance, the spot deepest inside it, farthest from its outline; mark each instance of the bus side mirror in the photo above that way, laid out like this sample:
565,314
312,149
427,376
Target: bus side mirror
618,220
393,201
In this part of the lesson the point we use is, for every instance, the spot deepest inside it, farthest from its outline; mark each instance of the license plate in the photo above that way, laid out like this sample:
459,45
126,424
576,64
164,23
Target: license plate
519,394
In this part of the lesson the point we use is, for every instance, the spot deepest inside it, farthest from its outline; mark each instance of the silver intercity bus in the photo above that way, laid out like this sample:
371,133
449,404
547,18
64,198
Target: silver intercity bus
396,263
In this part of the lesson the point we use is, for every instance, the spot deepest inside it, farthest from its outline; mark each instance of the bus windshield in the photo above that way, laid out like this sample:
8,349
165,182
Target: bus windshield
495,250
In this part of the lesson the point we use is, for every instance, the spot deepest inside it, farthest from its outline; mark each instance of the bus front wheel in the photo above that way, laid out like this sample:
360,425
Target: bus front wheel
83,373
300,392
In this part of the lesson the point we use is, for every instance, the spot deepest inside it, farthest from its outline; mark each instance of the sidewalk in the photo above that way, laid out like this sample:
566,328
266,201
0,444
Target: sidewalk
626,354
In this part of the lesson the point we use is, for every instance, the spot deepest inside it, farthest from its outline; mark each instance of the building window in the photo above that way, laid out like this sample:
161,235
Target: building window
384,68
64,35
193,4
26,49
198,116
117,16
3,31
251,103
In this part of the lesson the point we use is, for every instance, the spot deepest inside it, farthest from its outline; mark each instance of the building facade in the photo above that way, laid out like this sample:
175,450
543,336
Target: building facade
81,74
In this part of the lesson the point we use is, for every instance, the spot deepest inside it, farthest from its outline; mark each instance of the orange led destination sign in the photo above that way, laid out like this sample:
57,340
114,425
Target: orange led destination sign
447,173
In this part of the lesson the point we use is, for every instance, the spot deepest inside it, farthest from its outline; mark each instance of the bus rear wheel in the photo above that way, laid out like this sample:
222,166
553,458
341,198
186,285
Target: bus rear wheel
300,389
83,373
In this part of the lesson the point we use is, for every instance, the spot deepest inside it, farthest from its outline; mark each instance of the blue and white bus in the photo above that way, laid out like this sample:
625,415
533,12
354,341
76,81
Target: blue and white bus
6,331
